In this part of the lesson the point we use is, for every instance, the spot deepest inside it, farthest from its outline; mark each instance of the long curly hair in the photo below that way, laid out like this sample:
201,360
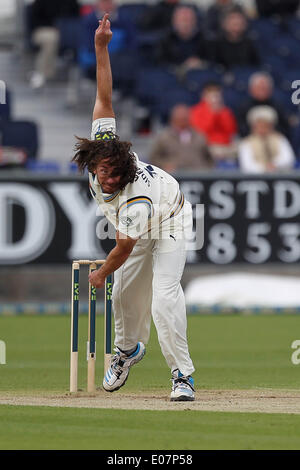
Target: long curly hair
89,153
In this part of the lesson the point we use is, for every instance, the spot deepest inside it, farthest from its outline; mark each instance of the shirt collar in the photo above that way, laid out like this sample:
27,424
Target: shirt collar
96,182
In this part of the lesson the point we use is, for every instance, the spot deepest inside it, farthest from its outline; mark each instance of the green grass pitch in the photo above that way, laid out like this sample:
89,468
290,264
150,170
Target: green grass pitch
229,352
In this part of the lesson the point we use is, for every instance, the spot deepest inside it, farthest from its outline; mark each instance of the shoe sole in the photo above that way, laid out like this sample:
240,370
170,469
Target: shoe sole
118,388
183,398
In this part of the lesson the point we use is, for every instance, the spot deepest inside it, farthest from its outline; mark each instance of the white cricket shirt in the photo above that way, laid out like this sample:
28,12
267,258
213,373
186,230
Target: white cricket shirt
150,207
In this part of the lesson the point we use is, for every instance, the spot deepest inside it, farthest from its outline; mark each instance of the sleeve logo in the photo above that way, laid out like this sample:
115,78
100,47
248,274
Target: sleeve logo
106,136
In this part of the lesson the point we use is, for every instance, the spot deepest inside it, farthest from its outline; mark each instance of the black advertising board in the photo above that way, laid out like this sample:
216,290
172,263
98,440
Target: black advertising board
247,219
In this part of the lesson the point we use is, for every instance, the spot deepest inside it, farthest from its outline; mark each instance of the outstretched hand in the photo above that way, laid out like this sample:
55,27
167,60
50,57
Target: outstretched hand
103,33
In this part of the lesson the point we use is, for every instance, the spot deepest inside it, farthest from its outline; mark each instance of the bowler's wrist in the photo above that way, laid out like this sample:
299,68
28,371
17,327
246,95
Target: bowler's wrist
101,47
101,274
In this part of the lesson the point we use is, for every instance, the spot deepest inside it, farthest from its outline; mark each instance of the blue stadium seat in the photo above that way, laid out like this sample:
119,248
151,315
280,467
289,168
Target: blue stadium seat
21,134
297,164
227,165
152,83
288,76
284,98
287,48
233,98
240,77
275,65
146,42
295,141
263,30
36,166
70,33
73,168
5,108
149,38
294,27
124,66
131,13
172,97
196,79
28,26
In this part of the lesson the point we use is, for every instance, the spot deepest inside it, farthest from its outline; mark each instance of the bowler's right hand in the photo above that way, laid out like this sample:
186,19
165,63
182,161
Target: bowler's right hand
103,33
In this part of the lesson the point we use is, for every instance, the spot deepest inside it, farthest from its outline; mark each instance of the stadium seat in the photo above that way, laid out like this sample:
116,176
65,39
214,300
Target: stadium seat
287,48
274,64
130,13
227,165
5,108
146,42
28,26
69,30
294,27
172,97
297,164
196,79
288,76
233,98
21,134
263,30
295,141
284,98
240,77
36,166
124,66
152,83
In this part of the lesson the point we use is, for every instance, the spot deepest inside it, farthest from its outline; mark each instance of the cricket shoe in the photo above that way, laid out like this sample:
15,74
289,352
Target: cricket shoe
118,371
182,387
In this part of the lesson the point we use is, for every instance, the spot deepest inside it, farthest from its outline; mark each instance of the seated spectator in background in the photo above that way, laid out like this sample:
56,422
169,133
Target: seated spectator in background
265,149
260,90
158,17
121,39
217,122
179,147
233,47
183,47
45,36
281,8
215,14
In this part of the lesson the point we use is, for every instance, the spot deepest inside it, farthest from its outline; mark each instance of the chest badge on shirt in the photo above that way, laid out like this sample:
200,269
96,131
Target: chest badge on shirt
127,221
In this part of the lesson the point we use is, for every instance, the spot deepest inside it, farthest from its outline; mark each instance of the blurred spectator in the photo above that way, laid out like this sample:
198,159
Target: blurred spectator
217,122
215,14
281,8
260,90
264,150
121,39
45,35
158,16
183,46
233,47
179,146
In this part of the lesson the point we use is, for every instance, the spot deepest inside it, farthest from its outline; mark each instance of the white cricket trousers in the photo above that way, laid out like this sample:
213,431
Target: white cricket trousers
148,283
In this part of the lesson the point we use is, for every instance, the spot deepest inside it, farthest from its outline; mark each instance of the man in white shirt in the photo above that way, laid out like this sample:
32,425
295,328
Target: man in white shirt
151,218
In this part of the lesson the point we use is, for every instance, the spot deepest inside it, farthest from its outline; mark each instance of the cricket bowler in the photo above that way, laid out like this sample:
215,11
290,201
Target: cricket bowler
152,220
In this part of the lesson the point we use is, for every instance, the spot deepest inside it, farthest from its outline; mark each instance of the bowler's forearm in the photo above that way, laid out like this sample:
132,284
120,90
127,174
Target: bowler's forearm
114,261
104,77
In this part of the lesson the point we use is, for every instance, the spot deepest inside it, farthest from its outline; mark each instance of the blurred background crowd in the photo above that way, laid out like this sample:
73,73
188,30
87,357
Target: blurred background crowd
203,85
